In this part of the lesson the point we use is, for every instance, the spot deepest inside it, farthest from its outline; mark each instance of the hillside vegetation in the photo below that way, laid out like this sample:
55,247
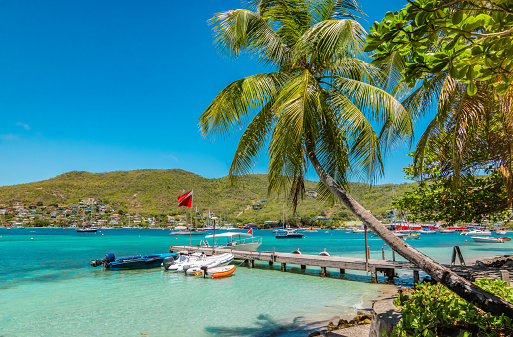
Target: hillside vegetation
149,191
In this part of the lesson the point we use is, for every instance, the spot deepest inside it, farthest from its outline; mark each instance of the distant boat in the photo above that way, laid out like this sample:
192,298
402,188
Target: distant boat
487,239
86,229
411,236
288,234
133,262
501,232
426,231
446,231
477,232
188,232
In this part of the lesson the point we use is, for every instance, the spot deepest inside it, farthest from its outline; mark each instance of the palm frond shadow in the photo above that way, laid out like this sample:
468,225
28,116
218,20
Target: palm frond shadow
267,327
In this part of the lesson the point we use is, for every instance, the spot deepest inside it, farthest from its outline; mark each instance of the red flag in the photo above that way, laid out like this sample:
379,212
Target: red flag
185,200
250,231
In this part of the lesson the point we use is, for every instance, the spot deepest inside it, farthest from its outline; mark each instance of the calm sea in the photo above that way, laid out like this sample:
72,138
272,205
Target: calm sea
47,287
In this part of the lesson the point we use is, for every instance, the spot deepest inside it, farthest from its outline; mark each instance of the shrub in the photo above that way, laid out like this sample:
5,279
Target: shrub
433,310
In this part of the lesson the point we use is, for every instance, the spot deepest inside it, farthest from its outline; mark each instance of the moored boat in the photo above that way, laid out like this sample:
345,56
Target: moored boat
133,262
193,262
477,232
411,237
486,239
426,231
86,229
506,238
235,240
289,234
216,272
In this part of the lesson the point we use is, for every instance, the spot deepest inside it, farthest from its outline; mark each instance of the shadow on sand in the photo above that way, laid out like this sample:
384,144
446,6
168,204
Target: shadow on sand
266,327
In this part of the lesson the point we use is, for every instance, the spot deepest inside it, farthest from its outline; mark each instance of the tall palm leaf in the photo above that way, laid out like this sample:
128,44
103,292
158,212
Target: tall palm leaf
317,108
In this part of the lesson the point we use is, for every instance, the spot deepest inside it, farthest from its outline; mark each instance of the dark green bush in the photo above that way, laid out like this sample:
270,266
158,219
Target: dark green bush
433,310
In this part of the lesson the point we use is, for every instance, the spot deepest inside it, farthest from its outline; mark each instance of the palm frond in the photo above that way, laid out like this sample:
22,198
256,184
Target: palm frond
328,40
334,10
241,30
237,101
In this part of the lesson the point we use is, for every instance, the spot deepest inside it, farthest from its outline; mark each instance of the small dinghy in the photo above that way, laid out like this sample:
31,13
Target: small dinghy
216,272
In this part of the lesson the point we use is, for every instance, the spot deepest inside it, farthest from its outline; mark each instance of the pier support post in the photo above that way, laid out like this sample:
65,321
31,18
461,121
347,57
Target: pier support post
390,273
383,252
393,255
323,271
303,266
505,275
374,277
271,263
415,277
251,263
342,271
283,267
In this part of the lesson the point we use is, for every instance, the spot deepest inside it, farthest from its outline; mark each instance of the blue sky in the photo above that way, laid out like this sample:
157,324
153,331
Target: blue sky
112,85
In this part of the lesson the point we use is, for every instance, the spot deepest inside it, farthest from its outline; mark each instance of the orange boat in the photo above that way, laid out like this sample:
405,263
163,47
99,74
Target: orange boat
221,271
506,238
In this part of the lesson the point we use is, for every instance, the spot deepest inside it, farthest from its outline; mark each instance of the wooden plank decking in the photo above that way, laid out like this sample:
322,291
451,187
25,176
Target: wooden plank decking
338,262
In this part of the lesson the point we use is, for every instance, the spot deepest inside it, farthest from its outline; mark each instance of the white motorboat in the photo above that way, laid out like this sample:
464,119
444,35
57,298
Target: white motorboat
221,260
487,239
426,231
501,232
197,260
359,230
235,240
446,231
477,232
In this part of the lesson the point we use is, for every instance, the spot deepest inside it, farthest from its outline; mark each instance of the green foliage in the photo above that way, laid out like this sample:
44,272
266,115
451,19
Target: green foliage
474,199
39,223
155,191
470,40
433,310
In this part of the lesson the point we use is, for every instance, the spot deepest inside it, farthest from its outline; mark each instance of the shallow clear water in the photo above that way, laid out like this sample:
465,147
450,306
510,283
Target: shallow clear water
47,287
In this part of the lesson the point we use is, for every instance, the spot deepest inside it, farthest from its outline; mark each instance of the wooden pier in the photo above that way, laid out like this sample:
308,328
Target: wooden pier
338,262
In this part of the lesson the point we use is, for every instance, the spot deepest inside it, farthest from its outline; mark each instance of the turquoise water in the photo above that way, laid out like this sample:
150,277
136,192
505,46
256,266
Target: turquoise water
47,287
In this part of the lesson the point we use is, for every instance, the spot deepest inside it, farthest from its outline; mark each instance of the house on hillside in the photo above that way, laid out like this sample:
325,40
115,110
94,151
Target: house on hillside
311,194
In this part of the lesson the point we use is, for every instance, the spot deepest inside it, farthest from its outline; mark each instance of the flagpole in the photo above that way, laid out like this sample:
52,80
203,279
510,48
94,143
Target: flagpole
190,230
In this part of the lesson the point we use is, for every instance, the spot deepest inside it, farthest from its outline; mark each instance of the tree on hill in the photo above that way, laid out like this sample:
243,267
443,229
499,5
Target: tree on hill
316,109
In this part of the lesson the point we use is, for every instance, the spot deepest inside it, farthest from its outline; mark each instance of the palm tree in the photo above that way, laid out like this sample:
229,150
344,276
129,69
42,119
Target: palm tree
317,108
468,133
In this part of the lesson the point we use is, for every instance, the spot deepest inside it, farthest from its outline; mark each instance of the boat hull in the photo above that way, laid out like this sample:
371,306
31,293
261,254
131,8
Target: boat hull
221,271
138,262
289,236
486,239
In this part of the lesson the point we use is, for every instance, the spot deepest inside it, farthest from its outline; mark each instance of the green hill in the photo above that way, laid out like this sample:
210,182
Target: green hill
151,192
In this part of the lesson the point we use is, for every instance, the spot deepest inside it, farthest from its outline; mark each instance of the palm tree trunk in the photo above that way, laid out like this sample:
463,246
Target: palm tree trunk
464,288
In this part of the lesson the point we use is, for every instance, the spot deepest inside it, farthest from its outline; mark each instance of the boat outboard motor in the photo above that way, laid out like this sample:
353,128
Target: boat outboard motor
107,259
205,269
168,262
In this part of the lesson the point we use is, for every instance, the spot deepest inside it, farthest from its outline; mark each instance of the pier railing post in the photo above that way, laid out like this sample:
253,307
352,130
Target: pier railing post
383,252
